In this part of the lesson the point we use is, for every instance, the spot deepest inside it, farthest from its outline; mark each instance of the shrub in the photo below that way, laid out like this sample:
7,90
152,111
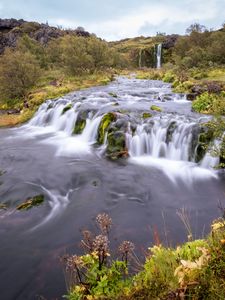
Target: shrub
210,103
18,74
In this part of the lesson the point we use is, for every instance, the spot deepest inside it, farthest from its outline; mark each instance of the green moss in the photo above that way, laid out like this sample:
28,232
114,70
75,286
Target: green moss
104,125
146,115
66,108
113,95
156,108
80,122
205,138
116,147
31,202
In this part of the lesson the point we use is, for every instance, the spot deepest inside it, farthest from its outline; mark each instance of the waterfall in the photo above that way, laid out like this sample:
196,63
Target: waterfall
171,139
167,138
159,56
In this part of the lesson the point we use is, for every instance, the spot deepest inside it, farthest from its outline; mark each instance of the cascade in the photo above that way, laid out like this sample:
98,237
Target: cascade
158,56
172,139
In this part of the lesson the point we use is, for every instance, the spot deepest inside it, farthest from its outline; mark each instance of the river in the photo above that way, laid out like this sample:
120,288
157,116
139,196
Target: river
141,193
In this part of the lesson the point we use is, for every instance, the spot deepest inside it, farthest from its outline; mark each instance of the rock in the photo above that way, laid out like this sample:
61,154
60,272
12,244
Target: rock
8,24
104,125
113,95
116,147
213,87
31,202
191,96
170,41
198,89
205,137
12,29
80,122
156,108
66,108
13,111
146,115
170,131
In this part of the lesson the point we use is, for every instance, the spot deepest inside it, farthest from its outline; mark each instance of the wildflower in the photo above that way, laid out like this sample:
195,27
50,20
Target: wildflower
101,243
73,262
104,222
87,241
126,247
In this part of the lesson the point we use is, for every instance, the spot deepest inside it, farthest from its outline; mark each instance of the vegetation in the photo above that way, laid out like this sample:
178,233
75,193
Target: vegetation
194,270
31,202
32,73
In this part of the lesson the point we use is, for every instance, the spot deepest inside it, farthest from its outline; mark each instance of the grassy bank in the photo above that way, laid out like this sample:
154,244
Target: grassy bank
193,270
50,86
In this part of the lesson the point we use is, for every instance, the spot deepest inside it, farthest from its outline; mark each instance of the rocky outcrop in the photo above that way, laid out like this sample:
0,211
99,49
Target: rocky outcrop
8,24
170,41
12,29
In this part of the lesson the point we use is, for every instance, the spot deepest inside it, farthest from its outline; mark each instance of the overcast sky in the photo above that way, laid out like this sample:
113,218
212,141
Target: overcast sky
117,19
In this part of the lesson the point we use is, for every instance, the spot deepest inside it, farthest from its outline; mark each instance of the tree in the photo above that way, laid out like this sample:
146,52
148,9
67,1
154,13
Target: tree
196,27
75,57
19,71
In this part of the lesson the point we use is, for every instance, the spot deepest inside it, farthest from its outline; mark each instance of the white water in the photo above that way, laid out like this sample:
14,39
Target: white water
155,142
150,145
159,55
171,153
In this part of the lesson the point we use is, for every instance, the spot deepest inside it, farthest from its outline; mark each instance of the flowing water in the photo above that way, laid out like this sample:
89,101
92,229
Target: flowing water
141,193
159,56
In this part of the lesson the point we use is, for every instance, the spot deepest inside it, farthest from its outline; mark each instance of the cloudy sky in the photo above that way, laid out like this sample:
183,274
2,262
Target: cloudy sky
117,19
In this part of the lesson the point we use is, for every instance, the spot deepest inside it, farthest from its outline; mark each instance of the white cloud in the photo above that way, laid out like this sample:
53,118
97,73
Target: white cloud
158,16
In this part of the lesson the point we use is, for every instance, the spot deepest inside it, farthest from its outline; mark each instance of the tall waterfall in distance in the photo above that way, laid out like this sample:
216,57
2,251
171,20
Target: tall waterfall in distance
159,56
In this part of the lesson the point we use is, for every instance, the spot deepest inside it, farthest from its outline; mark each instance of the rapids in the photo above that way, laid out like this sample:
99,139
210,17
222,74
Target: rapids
142,192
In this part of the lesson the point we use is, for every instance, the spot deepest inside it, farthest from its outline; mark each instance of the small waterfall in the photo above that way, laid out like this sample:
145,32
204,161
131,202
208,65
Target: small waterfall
171,139
166,139
158,56
55,117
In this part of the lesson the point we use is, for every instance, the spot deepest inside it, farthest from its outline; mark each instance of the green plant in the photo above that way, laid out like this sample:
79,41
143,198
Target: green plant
94,275
18,74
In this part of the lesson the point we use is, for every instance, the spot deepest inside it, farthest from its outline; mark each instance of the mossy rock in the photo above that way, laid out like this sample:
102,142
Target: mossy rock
116,147
50,106
205,137
156,108
3,206
104,125
146,115
80,122
114,95
169,134
31,202
66,108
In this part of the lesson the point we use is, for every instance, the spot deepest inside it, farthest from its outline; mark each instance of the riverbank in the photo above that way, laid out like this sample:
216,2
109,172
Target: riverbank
52,85
193,270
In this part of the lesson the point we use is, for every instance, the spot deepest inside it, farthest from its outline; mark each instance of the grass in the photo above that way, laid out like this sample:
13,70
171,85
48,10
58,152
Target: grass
52,85
193,270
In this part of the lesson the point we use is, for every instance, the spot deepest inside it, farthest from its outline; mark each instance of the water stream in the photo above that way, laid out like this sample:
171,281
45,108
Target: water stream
141,192
159,56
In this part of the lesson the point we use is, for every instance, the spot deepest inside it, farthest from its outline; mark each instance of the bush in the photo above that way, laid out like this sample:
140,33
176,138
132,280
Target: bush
210,103
169,77
18,74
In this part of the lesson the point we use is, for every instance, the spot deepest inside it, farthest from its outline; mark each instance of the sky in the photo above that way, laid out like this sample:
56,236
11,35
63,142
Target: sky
119,19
